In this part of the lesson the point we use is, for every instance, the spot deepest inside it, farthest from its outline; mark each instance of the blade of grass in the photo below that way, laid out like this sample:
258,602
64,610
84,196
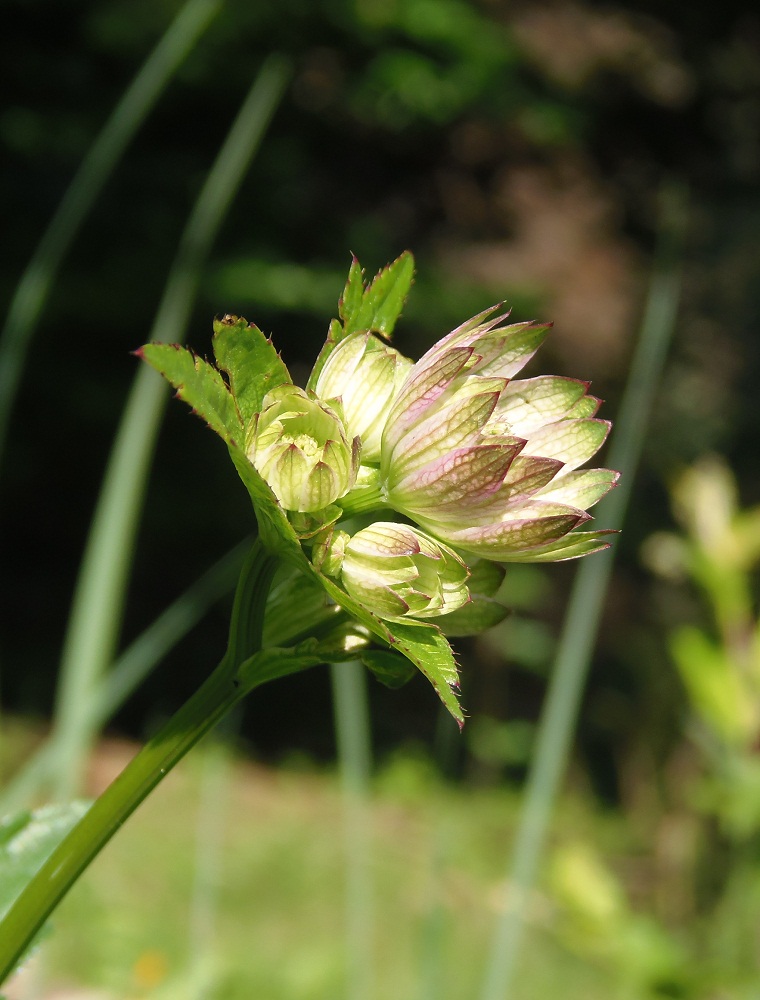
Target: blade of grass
212,818
105,152
99,596
576,643
434,936
131,667
352,730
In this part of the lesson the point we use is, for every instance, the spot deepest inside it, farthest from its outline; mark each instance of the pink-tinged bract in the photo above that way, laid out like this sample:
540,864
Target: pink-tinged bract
488,463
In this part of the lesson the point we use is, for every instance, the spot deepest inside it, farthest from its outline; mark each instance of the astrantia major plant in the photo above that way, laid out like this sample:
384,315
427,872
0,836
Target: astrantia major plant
388,495
384,482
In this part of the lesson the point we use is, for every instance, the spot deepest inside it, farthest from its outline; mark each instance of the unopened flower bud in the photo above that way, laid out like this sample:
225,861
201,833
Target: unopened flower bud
365,374
300,447
398,571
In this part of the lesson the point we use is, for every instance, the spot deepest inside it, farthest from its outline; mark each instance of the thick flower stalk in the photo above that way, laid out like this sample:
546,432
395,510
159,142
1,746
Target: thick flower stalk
397,571
488,463
300,447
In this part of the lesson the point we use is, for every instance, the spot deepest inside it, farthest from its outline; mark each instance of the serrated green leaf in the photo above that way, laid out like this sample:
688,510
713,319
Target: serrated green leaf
250,361
350,302
275,530
375,308
384,299
200,385
428,649
425,645
389,668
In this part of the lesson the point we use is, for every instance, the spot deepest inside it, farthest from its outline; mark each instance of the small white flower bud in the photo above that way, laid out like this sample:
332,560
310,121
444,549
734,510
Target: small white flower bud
365,374
300,447
398,571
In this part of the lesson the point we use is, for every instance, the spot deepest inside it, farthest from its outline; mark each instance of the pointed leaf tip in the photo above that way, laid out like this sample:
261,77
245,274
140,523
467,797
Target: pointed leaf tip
251,363
199,385
350,300
383,301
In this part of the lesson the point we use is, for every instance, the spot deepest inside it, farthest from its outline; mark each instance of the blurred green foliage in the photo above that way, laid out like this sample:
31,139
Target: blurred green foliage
403,126
516,149
433,848
597,926
719,659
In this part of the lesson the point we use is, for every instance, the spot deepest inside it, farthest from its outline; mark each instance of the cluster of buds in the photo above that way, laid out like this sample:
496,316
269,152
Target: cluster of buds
483,464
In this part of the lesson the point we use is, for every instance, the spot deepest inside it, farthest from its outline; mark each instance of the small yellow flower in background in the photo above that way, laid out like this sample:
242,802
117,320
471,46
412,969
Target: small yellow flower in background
150,969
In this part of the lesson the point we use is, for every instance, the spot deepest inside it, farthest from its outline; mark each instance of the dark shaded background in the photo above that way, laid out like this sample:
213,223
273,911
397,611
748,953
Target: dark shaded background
517,150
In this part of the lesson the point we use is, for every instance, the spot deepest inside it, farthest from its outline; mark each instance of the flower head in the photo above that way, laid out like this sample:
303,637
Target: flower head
365,374
300,447
398,571
484,464
487,463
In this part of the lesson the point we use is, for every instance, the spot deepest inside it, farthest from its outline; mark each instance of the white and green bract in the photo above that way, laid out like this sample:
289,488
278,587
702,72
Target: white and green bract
399,571
364,374
487,463
300,447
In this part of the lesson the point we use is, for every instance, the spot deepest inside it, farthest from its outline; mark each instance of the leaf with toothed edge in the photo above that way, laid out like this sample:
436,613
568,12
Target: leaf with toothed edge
427,647
375,308
350,301
424,645
200,385
383,300
251,362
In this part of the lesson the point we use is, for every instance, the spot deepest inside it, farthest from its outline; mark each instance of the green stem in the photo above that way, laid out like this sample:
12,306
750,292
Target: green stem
130,669
216,696
120,799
